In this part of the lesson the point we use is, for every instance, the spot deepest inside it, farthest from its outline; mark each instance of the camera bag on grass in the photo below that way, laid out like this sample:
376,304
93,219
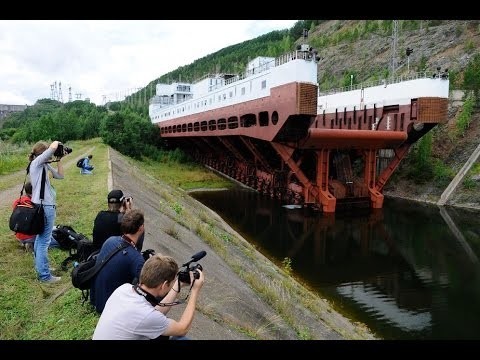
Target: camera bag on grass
29,218
84,272
78,245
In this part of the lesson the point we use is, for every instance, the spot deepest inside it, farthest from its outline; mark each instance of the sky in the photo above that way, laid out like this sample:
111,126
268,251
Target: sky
106,60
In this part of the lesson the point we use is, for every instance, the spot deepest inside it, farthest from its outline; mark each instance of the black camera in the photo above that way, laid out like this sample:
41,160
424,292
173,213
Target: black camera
184,275
125,199
147,254
62,150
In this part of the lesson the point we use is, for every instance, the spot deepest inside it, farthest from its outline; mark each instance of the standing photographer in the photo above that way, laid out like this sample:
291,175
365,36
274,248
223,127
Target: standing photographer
134,312
40,159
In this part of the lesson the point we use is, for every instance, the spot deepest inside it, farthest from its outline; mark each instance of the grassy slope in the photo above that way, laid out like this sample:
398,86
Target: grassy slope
30,310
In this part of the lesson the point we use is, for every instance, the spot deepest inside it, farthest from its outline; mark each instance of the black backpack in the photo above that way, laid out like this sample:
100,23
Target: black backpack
78,245
84,272
80,163
66,237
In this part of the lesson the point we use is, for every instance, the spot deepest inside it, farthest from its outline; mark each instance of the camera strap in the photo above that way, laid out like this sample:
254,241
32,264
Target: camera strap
152,299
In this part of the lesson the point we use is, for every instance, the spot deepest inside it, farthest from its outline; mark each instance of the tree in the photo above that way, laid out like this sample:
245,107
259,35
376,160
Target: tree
471,77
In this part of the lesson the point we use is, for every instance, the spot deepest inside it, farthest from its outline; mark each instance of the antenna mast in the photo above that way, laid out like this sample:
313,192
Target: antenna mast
60,95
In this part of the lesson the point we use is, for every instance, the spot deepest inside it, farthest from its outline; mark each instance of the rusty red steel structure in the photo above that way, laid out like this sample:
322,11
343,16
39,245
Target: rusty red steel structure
272,130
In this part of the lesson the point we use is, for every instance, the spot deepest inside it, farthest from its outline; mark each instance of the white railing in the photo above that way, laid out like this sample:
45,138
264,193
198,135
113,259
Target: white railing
398,79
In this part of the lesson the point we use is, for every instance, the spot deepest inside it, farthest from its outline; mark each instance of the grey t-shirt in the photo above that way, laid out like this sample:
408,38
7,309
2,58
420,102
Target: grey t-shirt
36,167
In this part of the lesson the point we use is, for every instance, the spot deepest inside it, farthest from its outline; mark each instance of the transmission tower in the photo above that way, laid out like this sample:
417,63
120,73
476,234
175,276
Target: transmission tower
60,95
52,92
69,94
394,46
78,96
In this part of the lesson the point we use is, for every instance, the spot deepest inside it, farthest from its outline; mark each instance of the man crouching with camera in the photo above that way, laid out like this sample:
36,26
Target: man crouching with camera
138,312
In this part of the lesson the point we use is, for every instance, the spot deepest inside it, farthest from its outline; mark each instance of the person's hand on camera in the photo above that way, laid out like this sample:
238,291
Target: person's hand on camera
197,283
128,203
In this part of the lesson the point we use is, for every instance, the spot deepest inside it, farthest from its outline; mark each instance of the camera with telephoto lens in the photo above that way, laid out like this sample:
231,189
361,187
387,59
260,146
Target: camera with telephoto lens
184,275
62,150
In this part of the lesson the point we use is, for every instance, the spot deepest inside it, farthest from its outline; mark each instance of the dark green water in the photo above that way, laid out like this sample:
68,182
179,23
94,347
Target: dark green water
408,271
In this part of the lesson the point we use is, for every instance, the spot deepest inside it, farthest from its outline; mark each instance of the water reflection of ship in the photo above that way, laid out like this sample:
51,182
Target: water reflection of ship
360,257
403,267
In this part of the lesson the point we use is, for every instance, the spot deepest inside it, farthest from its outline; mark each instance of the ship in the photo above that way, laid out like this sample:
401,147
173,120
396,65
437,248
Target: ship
271,129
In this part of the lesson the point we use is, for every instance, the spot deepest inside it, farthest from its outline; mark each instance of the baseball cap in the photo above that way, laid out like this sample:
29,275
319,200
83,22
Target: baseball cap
114,196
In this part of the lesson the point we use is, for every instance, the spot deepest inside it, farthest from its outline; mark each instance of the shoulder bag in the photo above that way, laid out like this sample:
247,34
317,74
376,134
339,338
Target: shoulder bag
29,218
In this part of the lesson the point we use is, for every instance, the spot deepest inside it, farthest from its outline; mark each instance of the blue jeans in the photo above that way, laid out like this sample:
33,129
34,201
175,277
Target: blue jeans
42,241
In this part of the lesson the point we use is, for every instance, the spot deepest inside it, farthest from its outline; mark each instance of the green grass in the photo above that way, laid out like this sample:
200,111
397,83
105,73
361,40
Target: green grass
31,310
184,176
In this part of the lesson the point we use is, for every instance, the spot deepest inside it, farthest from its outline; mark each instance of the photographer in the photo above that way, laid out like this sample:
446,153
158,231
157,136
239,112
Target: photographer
134,313
40,158
125,265
87,168
107,222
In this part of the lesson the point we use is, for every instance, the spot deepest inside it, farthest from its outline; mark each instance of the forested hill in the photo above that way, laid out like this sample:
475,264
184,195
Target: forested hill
362,48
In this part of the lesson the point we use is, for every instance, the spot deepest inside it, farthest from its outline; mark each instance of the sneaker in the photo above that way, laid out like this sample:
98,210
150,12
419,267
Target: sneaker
53,279
52,269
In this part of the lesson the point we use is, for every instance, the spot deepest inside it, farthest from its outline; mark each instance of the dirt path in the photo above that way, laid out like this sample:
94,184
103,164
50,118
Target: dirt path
228,307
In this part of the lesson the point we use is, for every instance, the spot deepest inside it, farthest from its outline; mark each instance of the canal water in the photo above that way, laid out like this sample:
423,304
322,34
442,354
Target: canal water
407,271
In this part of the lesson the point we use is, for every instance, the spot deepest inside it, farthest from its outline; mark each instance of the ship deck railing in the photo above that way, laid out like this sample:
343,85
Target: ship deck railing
384,82
282,59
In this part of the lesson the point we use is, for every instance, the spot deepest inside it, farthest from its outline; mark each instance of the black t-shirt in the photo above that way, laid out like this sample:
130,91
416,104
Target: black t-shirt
106,224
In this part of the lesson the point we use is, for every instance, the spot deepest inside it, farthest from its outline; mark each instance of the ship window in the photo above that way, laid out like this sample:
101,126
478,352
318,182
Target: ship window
196,126
224,96
274,118
264,84
212,125
231,93
243,91
263,118
233,122
189,127
222,124
248,120
204,125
